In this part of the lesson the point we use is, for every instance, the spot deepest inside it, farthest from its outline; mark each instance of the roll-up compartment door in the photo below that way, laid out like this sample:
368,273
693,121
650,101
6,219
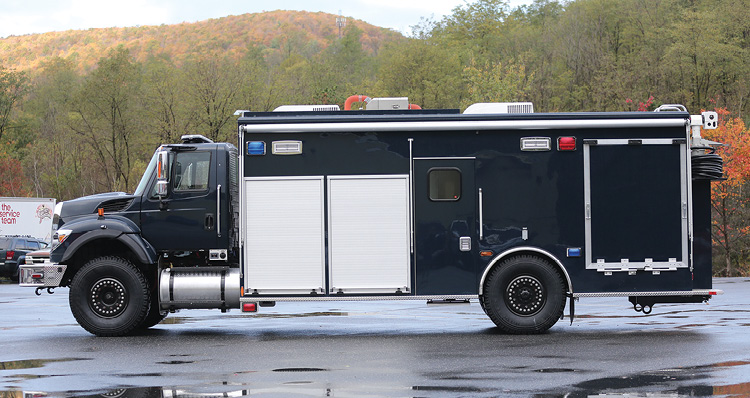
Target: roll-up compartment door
369,246
284,238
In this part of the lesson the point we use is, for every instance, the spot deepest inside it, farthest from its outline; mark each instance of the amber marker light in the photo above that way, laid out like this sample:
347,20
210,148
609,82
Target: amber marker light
486,253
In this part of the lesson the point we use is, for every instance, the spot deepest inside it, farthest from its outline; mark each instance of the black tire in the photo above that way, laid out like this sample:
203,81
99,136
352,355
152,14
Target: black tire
109,296
524,295
155,314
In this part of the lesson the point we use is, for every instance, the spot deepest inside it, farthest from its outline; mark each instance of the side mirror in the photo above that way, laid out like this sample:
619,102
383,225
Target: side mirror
162,175
161,188
162,168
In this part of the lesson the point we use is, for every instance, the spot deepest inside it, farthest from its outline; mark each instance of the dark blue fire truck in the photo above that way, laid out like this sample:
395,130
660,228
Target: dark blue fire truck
519,210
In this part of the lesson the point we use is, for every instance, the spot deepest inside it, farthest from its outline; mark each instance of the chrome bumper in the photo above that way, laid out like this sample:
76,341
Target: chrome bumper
44,274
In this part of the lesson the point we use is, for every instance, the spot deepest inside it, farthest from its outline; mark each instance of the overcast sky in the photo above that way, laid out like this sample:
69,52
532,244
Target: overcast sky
20,17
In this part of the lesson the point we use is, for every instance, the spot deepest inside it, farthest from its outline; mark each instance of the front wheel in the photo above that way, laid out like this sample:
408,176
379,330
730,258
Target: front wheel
524,295
109,296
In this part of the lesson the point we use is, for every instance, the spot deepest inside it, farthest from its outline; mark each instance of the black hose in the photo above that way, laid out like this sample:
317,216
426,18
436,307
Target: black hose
707,166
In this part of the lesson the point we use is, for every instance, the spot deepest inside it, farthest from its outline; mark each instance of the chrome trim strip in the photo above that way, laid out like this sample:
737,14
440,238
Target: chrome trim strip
685,206
241,153
587,202
447,158
524,249
460,125
412,221
689,177
698,292
255,299
626,141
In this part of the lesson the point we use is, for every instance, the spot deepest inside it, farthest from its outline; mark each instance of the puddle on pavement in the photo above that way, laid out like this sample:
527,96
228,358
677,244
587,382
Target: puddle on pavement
675,382
175,362
447,388
556,370
34,363
300,370
672,382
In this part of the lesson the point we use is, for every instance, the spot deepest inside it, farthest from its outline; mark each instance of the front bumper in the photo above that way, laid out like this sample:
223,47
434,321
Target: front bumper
46,274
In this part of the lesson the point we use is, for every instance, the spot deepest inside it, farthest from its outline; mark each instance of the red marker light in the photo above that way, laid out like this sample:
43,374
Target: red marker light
566,144
249,307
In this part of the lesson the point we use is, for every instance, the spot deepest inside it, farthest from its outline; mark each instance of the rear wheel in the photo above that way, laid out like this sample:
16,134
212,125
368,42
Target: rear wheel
524,295
109,296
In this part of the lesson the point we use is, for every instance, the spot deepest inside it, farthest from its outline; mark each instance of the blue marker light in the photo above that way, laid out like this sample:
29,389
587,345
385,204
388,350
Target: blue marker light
574,252
256,148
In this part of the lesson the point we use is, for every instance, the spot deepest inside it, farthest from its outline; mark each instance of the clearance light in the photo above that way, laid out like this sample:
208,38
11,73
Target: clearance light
249,307
486,253
566,144
62,234
100,211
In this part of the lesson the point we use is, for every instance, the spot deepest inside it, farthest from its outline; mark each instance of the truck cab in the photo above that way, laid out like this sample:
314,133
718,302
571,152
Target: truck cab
182,214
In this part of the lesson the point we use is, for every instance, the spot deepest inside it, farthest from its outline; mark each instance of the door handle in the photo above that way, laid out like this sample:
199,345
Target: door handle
208,224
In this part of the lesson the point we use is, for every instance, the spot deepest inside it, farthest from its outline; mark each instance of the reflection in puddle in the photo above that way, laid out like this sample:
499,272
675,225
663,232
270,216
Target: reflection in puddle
34,363
675,382
672,382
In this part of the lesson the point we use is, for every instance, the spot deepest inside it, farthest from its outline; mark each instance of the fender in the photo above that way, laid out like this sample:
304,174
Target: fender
537,250
94,228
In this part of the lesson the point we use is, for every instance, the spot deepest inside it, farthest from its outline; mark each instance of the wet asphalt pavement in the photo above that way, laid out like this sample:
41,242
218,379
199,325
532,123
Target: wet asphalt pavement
389,348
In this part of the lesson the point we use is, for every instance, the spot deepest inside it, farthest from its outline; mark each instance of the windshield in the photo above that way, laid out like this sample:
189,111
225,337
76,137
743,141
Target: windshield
146,175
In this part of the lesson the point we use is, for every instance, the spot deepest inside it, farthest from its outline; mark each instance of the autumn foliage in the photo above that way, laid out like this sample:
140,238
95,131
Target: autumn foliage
12,179
226,37
730,198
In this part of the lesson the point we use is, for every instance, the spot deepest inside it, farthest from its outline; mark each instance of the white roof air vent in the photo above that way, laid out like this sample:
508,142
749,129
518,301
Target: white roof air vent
307,108
500,107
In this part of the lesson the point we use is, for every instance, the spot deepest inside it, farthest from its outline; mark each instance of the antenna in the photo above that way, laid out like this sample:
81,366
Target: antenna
340,22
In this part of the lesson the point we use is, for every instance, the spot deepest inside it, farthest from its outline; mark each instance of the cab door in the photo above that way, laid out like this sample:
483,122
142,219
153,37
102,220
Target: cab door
186,218
446,228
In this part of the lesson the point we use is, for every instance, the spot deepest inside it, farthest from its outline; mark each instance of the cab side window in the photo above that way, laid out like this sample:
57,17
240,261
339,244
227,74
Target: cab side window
191,171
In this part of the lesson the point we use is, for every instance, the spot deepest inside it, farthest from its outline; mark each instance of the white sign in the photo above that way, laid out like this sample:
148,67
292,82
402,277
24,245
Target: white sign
27,217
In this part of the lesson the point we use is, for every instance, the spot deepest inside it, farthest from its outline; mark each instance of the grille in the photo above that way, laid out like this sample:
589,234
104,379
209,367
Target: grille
521,108
115,205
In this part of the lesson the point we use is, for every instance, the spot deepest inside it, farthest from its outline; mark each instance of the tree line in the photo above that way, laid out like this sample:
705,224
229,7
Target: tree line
66,133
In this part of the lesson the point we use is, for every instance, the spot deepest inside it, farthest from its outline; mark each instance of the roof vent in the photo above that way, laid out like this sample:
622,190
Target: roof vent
500,107
307,108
